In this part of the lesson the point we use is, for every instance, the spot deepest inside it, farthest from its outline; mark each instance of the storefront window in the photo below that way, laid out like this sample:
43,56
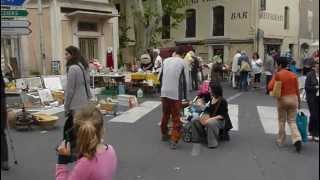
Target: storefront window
191,23
166,27
218,21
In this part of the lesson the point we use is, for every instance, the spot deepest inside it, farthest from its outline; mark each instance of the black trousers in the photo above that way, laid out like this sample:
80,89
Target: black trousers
194,80
313,104
4,147
268,79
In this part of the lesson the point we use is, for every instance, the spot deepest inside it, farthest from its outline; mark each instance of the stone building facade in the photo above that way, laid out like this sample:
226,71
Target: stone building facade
223,26
91,25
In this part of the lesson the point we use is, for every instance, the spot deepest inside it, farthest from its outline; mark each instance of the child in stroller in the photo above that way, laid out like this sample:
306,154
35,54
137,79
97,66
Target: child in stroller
199,103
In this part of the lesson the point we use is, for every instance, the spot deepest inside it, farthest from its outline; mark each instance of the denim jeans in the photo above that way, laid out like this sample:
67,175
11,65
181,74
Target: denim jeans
243,80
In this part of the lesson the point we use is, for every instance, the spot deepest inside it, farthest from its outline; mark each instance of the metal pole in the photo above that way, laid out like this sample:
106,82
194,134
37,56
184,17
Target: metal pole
41,40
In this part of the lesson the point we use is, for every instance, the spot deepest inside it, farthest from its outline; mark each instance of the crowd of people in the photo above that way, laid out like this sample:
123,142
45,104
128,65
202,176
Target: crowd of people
183,72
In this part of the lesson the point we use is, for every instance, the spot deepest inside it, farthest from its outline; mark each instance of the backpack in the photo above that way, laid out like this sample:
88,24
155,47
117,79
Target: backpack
245,66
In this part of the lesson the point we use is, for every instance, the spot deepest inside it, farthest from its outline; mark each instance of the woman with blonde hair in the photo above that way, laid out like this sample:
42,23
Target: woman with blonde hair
96,161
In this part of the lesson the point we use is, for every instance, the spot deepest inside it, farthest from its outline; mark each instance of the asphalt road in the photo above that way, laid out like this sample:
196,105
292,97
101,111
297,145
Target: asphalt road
250,155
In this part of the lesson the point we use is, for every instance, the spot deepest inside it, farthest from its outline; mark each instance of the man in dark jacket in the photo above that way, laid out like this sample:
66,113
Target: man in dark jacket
4,145
312,93
195,66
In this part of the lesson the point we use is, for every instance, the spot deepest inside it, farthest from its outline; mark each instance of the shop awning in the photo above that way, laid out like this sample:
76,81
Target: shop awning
91,14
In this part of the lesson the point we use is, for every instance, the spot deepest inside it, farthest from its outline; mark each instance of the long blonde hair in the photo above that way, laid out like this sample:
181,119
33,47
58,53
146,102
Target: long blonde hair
89,130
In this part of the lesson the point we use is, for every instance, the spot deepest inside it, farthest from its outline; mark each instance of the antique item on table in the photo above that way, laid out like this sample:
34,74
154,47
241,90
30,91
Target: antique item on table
138,76
109,106
46,121
24,120
58,96
11,87
45,96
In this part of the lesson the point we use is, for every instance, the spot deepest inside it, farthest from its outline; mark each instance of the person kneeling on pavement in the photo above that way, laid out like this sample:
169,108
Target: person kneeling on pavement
214,124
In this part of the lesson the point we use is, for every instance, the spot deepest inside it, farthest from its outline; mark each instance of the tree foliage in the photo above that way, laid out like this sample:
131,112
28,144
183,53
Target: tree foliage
147,20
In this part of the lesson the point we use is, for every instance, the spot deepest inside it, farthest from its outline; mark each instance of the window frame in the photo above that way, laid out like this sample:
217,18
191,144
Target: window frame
166,27
263,5
286,22
191,33
94,29
214,33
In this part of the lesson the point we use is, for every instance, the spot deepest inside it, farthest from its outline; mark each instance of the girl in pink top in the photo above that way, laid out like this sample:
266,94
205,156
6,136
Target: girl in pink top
96,160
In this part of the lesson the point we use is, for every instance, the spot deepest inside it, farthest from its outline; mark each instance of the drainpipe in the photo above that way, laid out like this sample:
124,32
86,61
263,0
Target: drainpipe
41,40
299,52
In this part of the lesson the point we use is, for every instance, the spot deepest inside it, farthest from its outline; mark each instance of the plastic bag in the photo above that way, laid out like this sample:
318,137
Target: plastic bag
302,124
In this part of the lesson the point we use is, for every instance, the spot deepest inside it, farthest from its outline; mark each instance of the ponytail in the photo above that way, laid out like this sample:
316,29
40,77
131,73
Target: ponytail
89,128
87,139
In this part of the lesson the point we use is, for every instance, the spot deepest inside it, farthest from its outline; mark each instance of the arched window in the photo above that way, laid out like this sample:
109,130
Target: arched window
218,21
191,23
286,17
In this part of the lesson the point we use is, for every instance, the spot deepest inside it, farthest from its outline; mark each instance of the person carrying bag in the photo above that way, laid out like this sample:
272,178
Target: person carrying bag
77,93
276,91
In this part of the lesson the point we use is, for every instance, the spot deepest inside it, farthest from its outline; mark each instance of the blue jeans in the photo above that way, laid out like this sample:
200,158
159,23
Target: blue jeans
244,80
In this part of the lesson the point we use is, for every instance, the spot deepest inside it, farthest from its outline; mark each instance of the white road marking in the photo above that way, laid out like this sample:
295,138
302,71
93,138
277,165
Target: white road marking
268,116
136,113
234,116
234,96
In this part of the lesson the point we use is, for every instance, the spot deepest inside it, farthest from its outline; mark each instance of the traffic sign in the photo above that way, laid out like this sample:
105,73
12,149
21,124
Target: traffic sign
12,2
12,13
15,31
15,24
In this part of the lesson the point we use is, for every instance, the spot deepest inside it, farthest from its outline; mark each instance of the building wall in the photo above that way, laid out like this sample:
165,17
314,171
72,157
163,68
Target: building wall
237,28
31,42
246,27
60,31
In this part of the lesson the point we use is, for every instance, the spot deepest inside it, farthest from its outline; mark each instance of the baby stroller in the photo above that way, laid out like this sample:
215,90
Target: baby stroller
194,111
204,95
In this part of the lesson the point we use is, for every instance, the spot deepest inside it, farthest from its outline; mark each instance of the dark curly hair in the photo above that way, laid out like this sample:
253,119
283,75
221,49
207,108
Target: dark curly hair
216,89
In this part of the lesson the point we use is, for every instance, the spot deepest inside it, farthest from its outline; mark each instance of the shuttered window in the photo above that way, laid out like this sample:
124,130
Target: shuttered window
166,27
218,21
89,48
191,23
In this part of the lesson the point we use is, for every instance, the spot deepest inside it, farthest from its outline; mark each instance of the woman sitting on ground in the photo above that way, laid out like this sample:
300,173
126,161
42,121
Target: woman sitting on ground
96,161
214,124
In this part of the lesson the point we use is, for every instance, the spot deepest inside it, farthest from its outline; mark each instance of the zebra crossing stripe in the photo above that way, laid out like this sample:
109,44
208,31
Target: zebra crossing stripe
268,116
136,113
234,116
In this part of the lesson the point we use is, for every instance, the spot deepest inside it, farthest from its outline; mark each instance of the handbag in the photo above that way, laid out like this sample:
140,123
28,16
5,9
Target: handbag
302,124
276,91
245,66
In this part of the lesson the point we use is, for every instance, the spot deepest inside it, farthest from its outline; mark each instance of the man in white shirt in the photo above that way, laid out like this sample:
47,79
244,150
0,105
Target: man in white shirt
174,79
158,61
235,68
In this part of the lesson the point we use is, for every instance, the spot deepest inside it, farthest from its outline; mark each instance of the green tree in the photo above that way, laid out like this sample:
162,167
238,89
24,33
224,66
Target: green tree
147,20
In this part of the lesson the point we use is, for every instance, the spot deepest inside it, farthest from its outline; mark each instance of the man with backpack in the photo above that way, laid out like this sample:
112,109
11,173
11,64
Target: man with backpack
245,68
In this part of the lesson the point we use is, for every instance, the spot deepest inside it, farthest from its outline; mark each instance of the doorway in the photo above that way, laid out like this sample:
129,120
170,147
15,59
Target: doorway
89,48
